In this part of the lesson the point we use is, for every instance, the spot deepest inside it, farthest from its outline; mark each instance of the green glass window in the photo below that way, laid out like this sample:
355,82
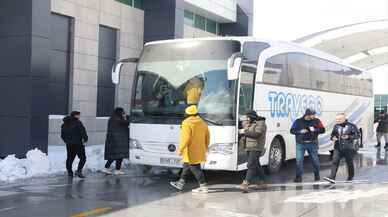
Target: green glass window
211,26
127,2
189,18
200,22
138,4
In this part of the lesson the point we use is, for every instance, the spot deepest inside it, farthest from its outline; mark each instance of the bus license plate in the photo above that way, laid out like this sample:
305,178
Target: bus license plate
170,161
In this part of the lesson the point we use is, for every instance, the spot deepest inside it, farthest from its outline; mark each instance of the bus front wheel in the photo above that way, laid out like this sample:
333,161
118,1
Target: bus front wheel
276,154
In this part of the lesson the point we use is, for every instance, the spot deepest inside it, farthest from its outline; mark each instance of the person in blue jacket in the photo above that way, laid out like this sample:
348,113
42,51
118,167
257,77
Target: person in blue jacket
306,130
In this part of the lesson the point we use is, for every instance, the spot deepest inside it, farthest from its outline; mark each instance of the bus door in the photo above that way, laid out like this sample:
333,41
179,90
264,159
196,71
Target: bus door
246,94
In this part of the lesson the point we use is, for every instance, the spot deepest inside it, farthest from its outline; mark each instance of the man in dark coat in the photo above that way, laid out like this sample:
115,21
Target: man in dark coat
306,131
343,135
253,137
117,141
74,135
382,129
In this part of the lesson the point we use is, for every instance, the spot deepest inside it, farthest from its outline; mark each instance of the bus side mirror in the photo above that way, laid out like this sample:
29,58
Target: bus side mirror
234,63
117,68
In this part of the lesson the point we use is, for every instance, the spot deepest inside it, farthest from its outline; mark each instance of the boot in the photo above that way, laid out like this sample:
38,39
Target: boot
378,145
317,178
244,186
386,146
79,174
298,179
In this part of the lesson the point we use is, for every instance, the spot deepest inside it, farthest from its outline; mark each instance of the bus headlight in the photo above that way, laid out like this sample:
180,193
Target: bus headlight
135,144
221,148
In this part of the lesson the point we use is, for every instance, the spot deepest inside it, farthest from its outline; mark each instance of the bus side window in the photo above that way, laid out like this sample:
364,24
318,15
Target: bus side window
319,73
298,70
275,70
336,81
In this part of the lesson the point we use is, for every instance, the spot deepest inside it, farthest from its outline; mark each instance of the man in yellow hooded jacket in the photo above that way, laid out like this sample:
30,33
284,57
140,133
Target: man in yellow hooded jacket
194,143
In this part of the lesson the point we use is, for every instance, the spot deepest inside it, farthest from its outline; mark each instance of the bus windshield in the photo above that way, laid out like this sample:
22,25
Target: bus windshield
172,76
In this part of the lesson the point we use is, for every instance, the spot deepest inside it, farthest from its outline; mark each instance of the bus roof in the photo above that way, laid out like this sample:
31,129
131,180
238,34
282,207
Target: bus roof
272,43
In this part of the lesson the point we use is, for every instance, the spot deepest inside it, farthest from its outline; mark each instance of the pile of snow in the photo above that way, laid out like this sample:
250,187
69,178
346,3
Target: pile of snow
38,163
340,196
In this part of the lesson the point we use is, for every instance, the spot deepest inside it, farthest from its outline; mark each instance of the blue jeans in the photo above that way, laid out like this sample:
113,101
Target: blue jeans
312,150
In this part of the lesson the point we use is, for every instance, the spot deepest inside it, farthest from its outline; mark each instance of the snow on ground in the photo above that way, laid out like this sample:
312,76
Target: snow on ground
38,163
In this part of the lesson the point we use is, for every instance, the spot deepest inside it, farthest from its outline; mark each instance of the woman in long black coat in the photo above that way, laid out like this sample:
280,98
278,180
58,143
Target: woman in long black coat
117,141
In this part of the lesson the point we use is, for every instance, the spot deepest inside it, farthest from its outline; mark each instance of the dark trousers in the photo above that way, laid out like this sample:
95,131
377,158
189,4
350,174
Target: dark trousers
118,163
72,151
195,169
338,155
254,167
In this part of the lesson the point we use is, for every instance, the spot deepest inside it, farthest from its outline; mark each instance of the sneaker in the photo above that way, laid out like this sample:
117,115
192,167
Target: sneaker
202,189
329,179
119,172
79,174
178,185
298,179
106,171
317,178
244,186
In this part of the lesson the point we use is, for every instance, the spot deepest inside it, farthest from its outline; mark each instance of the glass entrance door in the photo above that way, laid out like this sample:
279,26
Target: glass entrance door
247,86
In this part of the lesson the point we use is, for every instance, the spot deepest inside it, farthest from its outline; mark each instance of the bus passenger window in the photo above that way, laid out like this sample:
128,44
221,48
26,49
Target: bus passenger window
298,70
319,73
275,70
336,83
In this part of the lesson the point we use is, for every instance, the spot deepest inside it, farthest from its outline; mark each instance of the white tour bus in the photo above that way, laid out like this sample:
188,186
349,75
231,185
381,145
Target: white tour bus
279,80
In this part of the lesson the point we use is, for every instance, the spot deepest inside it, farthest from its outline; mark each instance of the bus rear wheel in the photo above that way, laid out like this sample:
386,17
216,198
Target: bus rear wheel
276,153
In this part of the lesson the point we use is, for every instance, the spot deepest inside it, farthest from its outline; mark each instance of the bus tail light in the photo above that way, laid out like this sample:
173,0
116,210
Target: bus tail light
221,148
135,144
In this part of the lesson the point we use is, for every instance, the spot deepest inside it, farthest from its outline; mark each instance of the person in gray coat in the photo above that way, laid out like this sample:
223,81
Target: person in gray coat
382,129
117,141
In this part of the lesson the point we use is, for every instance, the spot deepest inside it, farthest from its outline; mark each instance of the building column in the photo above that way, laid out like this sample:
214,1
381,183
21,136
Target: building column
24,70
244,23
163,19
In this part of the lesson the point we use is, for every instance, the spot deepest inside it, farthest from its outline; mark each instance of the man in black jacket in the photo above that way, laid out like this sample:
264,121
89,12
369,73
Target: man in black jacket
382,129
306,131
343,135
74,135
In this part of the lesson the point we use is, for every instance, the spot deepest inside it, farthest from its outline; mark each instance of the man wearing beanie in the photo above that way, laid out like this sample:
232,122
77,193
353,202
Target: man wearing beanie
74,135
306,130
194,143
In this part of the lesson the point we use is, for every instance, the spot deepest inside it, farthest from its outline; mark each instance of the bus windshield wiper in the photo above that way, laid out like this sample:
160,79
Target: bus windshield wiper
213,122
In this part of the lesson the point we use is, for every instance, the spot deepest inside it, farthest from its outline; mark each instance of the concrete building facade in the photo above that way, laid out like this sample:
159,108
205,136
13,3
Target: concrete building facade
57,57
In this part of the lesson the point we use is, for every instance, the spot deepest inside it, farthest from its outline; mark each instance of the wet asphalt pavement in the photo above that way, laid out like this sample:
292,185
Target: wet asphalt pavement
137,194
